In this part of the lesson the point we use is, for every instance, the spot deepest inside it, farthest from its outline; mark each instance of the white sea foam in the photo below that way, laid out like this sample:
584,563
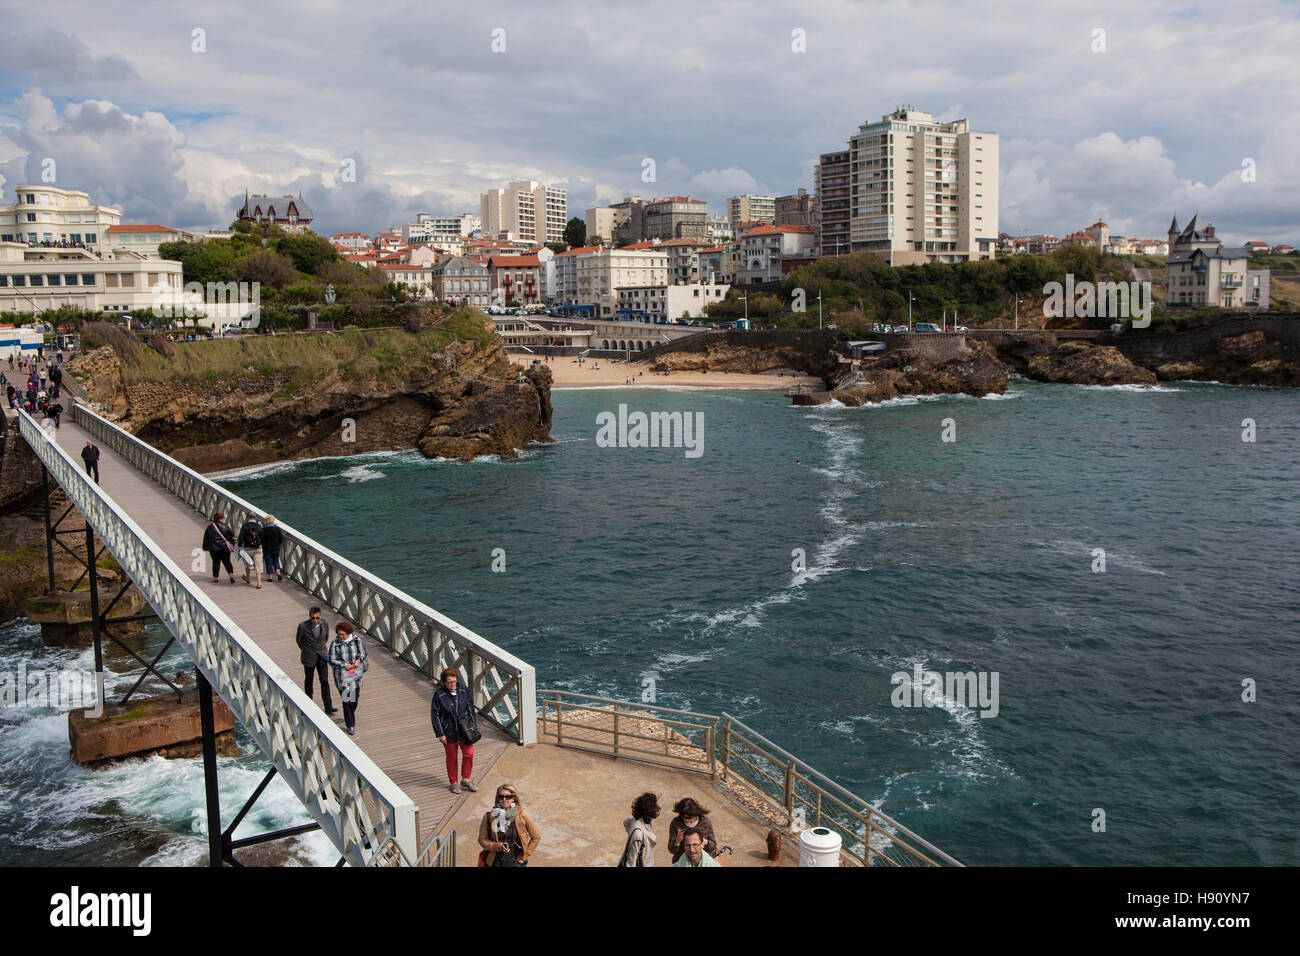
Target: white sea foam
359,473
281,467
1115,557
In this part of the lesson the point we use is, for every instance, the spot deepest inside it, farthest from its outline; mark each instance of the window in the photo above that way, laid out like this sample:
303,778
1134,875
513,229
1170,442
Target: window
31,198
56,280
20,280
31,217
110,280
87,278
4,281
90,237
70,278
128,280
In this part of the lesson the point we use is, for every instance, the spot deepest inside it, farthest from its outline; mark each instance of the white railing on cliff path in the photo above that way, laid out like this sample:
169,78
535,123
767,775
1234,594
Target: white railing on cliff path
504,688
356,804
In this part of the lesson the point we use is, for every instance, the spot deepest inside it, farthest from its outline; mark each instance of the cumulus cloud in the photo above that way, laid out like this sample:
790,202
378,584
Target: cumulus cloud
1157,124
53,59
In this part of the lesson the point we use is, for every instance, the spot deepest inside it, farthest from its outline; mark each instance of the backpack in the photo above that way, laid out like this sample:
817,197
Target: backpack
251,533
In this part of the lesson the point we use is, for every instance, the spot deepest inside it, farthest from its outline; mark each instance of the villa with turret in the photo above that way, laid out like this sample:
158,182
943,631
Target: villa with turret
1203,272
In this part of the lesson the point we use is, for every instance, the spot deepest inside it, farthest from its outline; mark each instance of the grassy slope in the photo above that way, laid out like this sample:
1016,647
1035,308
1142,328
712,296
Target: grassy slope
389,356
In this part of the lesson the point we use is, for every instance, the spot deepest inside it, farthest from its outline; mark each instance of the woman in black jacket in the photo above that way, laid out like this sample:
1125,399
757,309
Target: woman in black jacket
272,539
218,541
451,708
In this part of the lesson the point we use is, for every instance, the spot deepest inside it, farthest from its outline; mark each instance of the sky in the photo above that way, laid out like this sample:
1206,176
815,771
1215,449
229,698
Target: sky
1128,112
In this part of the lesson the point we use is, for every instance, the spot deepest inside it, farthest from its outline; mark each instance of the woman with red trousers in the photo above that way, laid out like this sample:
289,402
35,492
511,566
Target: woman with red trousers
456,725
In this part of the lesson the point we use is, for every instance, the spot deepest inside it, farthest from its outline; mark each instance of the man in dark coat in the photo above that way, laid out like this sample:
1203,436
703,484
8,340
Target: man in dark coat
90,455
313,639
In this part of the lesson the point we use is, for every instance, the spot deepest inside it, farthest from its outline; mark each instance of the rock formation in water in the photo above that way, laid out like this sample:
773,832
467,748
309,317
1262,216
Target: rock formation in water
462,401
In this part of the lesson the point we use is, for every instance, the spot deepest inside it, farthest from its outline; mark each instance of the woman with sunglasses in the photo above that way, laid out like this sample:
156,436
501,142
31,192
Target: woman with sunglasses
507,834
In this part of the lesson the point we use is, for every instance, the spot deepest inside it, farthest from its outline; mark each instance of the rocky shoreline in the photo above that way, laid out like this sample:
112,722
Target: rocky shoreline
469,402
1232,351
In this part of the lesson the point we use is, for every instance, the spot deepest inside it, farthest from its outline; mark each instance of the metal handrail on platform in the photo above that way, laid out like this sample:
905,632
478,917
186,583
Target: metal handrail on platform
723,747
358,807
503,687
808,798
614,727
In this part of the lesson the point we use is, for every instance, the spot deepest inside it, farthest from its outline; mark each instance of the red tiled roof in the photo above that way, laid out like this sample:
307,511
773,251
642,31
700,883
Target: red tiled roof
515,262
682,242
145,228
777,230
574,252
637,246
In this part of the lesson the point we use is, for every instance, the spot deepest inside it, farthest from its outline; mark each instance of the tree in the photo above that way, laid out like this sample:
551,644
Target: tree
575,233
557,247
308,251
268,268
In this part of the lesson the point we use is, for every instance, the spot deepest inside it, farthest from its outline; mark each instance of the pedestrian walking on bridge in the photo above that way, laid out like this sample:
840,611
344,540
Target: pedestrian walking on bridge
90,455
456,725
347,657
218,541
313,642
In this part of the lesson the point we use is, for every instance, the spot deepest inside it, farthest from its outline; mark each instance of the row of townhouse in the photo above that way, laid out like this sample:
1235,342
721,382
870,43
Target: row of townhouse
468,280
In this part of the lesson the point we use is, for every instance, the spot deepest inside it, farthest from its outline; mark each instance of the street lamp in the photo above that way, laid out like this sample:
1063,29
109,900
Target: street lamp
745,299
819,308
909,310
1017,311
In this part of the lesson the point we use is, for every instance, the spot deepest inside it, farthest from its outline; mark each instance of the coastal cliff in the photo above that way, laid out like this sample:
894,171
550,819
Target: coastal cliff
230,404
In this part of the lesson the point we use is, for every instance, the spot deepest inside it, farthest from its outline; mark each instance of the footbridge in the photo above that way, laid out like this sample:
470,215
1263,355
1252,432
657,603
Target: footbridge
382,797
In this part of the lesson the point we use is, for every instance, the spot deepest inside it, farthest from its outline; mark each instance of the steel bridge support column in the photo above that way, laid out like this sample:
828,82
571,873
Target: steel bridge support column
49,532
94,602
215,837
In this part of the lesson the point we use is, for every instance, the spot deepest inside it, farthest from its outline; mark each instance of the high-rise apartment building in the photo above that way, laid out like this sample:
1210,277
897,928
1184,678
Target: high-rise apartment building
923,191
526,210
751,209
831,211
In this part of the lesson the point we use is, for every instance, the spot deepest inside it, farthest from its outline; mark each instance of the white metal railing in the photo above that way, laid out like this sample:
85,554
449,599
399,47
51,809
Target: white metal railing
503,687
357,806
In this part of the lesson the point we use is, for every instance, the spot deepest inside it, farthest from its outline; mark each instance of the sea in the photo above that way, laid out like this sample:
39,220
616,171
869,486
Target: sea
1118,565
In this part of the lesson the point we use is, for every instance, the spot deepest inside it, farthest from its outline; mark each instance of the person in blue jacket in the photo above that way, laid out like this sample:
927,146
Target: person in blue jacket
450,710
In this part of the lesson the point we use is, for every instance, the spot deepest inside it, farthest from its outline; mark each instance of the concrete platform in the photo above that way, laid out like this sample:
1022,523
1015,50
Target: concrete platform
580,800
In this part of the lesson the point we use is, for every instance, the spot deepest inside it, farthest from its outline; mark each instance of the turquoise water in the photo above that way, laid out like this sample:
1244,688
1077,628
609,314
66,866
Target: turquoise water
1119,691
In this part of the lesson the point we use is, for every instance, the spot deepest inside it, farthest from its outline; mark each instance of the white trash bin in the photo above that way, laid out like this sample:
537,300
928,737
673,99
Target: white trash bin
819,847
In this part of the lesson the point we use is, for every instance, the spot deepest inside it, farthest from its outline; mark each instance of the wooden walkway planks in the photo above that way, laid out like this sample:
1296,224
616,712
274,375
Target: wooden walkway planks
393,713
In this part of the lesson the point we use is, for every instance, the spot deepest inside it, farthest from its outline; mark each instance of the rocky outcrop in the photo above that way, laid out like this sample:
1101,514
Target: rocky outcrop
904,372
1249,359
493,421
1078,363
252,416
748,353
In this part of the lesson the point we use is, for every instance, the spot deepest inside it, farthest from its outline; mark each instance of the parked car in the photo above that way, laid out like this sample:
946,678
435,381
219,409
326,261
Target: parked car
960,328
926,327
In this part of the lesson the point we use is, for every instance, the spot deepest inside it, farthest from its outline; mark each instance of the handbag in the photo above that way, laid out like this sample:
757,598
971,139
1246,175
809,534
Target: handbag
467,730
245,557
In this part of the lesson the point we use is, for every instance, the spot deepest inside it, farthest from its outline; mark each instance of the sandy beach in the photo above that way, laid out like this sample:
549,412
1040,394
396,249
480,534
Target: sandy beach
602,372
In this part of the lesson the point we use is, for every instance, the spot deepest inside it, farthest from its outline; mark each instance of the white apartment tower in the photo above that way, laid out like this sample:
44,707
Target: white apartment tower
526,210
923,191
